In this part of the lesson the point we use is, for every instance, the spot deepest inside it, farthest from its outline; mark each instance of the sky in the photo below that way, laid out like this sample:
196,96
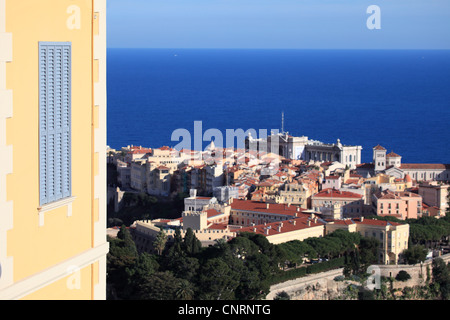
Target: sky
278,24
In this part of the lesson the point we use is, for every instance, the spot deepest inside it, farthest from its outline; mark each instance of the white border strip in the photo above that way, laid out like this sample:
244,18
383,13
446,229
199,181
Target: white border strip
6,163
100,186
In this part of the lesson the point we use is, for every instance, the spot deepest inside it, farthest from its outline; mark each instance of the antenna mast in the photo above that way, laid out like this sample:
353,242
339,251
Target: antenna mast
282,121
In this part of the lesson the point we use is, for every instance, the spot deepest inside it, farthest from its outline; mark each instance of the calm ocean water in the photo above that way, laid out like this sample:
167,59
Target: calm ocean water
399,99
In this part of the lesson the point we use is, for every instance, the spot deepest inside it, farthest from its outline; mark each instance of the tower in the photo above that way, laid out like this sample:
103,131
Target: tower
379,158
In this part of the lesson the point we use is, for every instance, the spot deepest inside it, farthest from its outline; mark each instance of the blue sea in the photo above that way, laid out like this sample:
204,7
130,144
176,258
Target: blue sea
399,99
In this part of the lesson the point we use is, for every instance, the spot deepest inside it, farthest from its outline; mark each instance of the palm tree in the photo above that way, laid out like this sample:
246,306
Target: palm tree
160,242
184,291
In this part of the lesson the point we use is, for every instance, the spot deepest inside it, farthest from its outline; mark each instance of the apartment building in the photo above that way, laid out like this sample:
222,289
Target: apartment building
435,195
398,204
351,204
53,149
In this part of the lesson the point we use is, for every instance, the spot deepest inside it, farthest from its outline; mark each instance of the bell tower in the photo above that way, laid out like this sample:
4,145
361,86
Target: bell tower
379,158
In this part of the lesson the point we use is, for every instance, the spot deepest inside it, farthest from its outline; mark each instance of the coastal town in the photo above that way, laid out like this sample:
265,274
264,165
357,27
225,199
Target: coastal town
313,190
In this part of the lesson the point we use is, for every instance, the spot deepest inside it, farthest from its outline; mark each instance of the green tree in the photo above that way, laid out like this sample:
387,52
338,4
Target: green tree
191,244
183,266
120,259
402,275
282,296
161,285
160,242
128,242
441,277
368,252
217,280
185,290
415,254
144,266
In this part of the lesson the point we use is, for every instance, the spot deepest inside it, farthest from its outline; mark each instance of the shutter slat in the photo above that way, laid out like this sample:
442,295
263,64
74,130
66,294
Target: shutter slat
54,121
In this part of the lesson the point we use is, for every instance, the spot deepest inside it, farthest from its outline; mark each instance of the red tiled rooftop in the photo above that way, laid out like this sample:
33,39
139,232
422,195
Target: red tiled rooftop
435,166
139,150
212,213
333,193
378,147
218,226
274,208
283,226
165,148
392,155
375,222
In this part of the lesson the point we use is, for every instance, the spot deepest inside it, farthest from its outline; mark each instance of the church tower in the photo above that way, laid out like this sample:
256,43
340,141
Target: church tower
379,158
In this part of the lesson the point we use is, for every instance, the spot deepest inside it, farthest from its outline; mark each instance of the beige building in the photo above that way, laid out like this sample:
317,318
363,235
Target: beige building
138,175
208,226
351,204
293,194
393,236
293,229
435,195
246,213
158,179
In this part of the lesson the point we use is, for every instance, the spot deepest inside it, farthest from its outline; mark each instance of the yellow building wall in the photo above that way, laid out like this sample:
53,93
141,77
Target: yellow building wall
39,241
75,286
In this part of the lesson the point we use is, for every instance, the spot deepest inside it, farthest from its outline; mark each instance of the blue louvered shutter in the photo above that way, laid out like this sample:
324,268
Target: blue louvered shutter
54,121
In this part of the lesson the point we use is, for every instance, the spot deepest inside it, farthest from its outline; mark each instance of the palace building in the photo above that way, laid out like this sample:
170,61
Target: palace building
302,148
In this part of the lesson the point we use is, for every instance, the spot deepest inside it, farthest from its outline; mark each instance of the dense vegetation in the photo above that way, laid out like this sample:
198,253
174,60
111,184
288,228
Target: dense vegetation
426,231
243,268
141,206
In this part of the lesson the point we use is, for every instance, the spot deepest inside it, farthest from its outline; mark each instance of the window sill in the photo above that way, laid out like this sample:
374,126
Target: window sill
55,205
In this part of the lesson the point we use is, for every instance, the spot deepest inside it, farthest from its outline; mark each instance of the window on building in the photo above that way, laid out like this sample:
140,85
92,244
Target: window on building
54,121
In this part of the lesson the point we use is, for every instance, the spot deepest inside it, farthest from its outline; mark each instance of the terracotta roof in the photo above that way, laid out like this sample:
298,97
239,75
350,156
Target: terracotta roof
385,195
425,166
378,147
333,193
392,154
332,177
165,148
274,208
375,222
139,150
274,228
212,213
218,226
352,181
344,222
